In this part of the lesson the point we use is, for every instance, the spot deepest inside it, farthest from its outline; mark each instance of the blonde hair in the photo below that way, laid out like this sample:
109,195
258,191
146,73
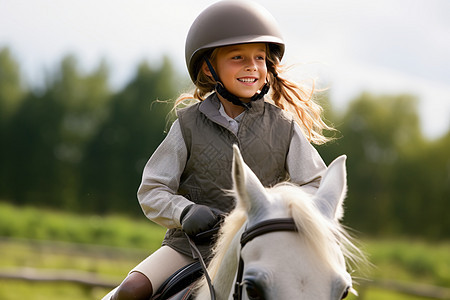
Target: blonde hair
285,94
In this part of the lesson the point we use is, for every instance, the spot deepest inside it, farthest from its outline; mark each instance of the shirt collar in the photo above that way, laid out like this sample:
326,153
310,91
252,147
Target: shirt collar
230,119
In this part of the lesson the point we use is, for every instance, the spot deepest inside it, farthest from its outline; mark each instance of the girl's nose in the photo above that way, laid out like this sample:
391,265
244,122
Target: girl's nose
251,65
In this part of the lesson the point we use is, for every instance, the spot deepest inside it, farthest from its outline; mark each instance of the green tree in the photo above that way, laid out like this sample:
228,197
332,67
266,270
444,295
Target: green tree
84,99
49,132
135,127
11,85
377,132
422,181
11,95
30,162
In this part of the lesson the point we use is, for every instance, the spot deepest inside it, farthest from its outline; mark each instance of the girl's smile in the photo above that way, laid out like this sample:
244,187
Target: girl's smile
248,80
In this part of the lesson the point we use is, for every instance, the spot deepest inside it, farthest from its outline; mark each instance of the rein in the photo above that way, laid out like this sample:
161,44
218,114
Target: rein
202,262
272,225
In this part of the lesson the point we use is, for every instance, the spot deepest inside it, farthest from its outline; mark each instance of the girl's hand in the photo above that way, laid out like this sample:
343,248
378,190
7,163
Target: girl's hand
197,218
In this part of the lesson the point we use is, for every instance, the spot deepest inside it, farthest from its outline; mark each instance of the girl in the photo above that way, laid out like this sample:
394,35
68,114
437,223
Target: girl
233,53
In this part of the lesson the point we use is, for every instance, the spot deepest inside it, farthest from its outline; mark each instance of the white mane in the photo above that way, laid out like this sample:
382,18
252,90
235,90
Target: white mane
321,234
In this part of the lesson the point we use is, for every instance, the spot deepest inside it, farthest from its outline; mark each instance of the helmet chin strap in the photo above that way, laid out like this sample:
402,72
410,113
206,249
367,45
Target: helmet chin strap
222,91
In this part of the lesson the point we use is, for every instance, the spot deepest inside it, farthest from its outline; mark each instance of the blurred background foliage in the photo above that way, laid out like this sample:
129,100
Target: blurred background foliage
76,144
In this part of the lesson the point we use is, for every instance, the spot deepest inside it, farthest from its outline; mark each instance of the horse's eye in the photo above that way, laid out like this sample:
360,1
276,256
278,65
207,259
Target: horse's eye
345,294
253,291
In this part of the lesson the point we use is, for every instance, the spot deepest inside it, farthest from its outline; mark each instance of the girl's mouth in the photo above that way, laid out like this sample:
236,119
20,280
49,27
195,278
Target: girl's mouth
247,80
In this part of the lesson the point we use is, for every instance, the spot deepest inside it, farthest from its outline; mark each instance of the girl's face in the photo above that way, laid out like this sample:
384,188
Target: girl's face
242,68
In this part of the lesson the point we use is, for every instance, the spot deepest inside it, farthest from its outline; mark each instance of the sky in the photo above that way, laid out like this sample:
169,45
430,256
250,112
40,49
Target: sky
348,46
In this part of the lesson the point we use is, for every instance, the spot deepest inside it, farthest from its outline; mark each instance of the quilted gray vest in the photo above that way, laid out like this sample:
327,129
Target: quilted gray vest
263,138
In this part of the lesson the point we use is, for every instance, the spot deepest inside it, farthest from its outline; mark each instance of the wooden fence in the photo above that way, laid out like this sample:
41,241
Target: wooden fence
82,278
93,280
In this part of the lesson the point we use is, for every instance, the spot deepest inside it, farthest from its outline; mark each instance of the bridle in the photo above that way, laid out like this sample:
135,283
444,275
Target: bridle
263,227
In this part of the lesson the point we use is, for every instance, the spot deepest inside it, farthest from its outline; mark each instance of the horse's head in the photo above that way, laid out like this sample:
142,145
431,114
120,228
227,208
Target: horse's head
308,264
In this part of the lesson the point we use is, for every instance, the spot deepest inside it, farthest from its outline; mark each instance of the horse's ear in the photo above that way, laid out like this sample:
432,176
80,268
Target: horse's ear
250,191
333,188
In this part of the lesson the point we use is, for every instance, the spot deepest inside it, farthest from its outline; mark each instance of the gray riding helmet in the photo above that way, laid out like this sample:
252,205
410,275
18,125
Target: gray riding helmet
228,23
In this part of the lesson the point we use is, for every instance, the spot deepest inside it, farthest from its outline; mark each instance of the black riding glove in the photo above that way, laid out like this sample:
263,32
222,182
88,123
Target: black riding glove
197,218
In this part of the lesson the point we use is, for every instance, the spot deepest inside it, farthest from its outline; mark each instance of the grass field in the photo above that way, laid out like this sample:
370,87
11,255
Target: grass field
110,246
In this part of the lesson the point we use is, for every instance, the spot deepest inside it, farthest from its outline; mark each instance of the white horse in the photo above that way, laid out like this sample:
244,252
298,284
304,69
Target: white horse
283,264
